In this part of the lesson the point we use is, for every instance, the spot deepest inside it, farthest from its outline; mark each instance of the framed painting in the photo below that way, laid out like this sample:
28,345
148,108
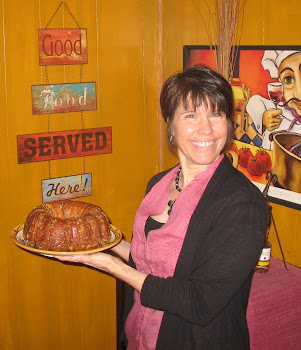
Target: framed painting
266,87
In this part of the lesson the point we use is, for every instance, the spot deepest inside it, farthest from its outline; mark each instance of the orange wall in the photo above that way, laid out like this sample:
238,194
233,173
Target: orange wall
46,304
266,22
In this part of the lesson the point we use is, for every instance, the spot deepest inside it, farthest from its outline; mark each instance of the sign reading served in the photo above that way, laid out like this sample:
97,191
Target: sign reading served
68,187
63,98
64,144
63,46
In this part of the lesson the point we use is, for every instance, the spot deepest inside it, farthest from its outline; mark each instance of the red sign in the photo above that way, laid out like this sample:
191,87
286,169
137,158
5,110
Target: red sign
64,144
63,46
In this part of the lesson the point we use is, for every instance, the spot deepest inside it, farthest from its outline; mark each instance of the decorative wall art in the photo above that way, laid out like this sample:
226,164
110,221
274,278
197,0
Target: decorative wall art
67,187
64,144
63,98
267,117
61,46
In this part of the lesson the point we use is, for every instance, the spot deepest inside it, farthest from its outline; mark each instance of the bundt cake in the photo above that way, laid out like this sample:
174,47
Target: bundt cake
67,226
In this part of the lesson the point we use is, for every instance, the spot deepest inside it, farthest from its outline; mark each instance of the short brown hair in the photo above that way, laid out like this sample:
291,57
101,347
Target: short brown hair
200,85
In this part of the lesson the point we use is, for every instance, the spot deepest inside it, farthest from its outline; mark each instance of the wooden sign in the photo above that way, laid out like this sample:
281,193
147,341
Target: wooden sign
63,46
64,144
68,187
63,98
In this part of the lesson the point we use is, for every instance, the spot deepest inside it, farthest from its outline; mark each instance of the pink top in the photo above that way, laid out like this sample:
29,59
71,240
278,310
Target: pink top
159,252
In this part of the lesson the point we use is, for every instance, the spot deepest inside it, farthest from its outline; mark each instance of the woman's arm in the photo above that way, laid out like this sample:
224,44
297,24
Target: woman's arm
110,264
221,265
122,250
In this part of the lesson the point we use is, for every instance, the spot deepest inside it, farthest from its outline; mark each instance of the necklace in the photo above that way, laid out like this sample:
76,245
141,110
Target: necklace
171,203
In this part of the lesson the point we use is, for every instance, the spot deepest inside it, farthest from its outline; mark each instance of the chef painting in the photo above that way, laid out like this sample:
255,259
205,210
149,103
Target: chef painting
269,115
267,118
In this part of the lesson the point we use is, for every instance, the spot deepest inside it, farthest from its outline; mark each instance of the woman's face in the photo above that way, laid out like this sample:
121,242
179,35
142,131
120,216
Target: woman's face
200,134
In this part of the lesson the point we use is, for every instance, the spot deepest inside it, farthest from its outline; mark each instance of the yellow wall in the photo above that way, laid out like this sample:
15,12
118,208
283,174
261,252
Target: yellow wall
47,304
266,22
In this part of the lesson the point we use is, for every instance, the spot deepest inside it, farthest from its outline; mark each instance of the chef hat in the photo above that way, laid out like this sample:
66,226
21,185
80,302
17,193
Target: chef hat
272,59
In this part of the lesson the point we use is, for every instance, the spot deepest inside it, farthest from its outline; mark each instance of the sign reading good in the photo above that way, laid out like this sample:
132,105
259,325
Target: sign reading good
68,187
63,46
63,98
64,144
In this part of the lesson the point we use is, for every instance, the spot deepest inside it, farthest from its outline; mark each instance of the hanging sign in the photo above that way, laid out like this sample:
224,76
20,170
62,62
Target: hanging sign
63,98
68,187
64,144
63,46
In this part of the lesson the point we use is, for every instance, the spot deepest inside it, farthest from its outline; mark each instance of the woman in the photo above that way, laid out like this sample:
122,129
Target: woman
197,233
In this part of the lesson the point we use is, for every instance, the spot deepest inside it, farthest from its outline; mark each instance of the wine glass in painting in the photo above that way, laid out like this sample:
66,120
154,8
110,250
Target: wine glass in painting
275,91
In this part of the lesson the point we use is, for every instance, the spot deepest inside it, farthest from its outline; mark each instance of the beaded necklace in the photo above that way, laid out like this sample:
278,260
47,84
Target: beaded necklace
171,203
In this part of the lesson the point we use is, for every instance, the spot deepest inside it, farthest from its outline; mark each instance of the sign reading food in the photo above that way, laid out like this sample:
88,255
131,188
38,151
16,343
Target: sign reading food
63,98
68,187
63,46
64,144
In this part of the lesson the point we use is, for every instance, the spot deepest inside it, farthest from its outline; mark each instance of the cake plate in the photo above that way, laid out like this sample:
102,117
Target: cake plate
17,237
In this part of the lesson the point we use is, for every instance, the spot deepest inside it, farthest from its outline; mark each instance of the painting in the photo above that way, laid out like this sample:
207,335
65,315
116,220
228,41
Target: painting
266,87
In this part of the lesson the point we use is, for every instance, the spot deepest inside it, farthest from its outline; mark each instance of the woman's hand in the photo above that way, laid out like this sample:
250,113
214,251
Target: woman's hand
110,264
100,261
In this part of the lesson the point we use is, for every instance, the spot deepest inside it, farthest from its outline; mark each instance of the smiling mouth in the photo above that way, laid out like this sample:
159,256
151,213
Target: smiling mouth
203,144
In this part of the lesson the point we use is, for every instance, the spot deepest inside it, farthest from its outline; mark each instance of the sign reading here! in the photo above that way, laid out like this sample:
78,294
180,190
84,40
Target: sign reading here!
68,187
63,46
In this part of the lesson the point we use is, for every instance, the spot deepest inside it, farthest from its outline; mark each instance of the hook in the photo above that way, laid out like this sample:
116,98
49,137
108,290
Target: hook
271,177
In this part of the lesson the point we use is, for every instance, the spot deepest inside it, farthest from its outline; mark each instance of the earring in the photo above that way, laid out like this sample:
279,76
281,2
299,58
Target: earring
172,139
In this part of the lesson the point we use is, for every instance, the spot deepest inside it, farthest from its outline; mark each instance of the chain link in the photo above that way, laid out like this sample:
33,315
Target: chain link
71,14
46,74
69,11
49,162
47,81
82,119
81,73
48,124
84,164
49,169
54,15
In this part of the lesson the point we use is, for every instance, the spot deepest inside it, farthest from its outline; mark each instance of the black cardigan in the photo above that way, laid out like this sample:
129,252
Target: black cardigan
205,302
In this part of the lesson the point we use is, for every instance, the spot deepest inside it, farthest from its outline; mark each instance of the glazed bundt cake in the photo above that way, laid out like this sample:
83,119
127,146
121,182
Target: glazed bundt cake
67,226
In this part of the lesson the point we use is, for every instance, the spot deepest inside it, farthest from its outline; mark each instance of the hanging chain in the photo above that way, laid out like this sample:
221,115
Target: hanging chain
82,115
47,80
80,80
84,164
81,73
47,25
49,162
69,11
71,14
83,127
49,118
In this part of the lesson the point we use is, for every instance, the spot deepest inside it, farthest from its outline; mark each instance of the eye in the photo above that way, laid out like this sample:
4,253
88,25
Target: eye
217,114
289,79
190,116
